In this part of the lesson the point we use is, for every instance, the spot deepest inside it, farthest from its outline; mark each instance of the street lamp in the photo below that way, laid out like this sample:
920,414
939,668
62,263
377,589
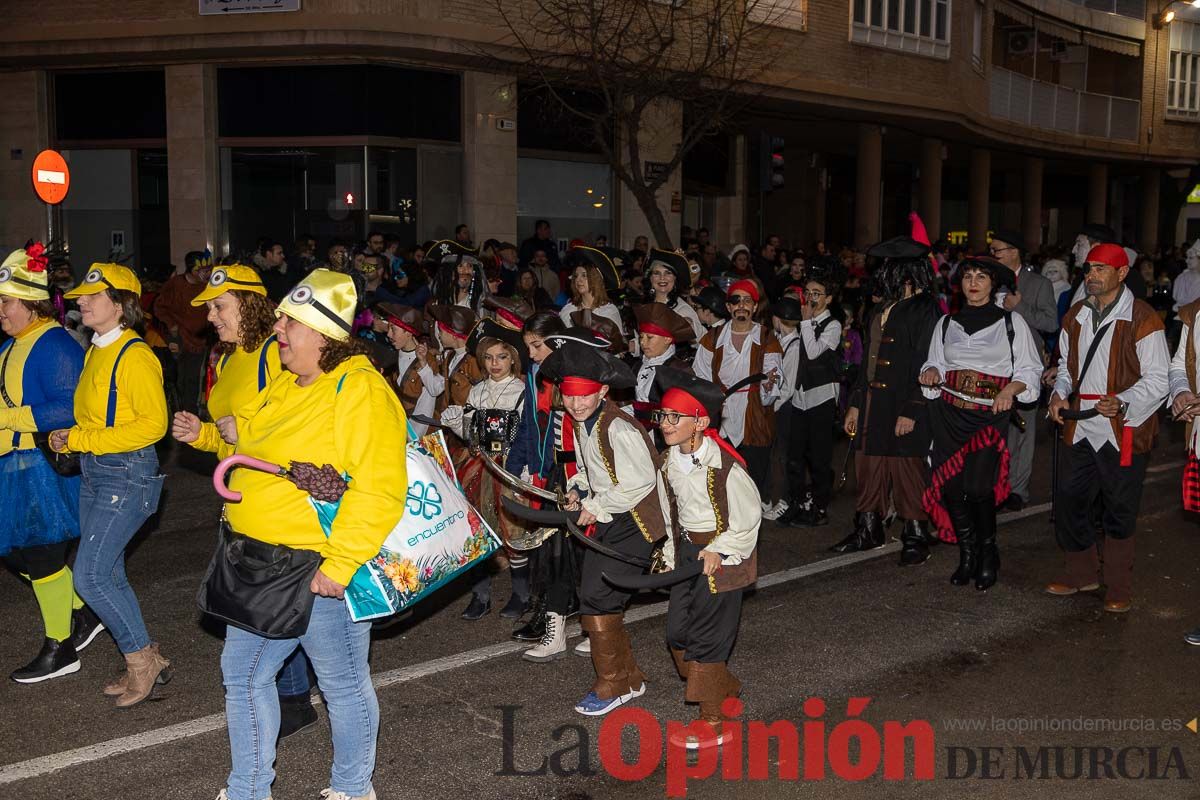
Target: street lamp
1166,16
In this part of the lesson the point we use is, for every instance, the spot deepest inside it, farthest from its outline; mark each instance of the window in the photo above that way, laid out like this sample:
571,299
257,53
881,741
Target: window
110,105
977,37
1183,71
914,26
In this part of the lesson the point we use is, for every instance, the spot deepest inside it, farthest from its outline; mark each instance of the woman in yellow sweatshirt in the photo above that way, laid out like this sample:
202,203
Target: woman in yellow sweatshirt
330,407
120,412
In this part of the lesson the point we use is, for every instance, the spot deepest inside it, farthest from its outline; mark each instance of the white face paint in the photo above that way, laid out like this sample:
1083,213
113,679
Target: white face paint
1082,245
1193,255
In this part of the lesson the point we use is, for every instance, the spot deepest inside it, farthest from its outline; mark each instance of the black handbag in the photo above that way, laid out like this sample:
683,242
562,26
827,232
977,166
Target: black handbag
259,587
65,464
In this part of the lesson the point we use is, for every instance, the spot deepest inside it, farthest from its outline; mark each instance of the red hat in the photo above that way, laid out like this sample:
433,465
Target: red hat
1111,254
743,285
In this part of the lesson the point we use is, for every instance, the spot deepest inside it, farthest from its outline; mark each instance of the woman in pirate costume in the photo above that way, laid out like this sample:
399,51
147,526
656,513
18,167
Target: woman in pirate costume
981,361
488,423
593,278
460,280
39,370
668,278
715,512
415,378
659,330
615,490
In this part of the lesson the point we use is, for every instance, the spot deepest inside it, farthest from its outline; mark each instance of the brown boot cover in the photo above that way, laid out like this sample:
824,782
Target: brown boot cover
709,685
1118,570
612,655
1082,569
681,666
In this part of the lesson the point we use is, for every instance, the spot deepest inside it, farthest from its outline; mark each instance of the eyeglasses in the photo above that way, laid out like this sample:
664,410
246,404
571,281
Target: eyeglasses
669,417
815,293
998,250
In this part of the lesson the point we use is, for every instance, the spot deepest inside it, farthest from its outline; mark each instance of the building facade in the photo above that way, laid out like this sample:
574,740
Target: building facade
186,130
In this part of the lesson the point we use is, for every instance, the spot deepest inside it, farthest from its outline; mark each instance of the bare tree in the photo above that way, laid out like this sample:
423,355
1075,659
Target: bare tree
632,56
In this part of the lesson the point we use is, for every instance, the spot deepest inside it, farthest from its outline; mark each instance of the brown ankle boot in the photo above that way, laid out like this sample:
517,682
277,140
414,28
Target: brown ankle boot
1081,575
118,685
143,669
1118,574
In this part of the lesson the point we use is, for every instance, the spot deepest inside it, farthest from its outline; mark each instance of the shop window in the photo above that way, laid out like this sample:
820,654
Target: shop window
130,104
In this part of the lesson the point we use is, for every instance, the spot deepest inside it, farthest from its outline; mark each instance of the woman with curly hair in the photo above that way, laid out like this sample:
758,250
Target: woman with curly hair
331,406
242,316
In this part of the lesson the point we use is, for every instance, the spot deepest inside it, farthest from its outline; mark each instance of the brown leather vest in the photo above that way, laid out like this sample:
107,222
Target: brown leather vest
1124,368
728,578
410,386
458,383
648,512
1188,315
759,430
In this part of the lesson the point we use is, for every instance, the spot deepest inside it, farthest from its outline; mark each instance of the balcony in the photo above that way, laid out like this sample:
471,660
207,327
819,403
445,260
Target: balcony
1017,98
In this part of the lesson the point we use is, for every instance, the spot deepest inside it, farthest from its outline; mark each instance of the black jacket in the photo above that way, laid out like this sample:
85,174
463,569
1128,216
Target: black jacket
896,392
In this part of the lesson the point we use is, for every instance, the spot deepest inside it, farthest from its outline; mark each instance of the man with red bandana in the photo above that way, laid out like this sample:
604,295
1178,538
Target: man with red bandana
1112,376
715,513
616,491
730,354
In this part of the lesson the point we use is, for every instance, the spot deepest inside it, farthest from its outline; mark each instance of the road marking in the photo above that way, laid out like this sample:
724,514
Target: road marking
36,767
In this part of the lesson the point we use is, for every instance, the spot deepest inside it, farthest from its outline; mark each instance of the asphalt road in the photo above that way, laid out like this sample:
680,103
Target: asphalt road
1041,681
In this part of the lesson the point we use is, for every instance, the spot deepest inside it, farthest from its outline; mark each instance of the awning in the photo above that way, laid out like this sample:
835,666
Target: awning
1058,30
1015,12
1122,46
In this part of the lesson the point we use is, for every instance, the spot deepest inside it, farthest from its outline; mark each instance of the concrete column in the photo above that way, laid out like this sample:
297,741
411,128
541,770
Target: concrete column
662,129
1031,203
1151,191
489,156
868,186
1097,209
193,172
929,199
730,227
979,191
24,130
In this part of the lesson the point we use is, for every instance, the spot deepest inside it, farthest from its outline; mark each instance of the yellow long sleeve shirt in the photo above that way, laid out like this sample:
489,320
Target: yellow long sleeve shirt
360,430
141,418
236,386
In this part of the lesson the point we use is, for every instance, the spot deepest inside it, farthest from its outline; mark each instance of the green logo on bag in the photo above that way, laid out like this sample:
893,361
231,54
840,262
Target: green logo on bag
424,499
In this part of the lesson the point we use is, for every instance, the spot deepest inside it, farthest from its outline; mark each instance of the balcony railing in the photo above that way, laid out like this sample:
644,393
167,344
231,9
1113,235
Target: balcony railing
1038,104
1126,8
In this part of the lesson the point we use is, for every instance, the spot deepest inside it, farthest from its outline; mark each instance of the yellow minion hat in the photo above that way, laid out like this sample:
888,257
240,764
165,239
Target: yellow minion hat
235,277
23,275
107,276
325,302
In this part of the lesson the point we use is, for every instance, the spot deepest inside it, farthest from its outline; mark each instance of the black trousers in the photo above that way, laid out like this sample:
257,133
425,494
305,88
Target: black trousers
1090,475
191,379
596,595
703,624
555,570
758,464
810,453
41,561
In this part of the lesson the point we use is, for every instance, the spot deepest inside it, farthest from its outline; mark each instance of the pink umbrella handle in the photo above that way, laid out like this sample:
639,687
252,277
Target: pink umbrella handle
241,461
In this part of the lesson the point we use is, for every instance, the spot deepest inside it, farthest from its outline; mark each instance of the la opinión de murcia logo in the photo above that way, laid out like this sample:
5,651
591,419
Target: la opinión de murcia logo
815,749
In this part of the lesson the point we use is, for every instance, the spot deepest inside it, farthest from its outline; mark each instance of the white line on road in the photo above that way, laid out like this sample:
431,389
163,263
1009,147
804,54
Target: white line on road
36,767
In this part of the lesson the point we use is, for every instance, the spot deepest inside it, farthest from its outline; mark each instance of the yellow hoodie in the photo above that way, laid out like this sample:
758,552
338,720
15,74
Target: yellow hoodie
359,429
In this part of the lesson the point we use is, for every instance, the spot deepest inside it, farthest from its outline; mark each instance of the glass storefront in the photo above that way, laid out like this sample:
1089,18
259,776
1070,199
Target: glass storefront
575,196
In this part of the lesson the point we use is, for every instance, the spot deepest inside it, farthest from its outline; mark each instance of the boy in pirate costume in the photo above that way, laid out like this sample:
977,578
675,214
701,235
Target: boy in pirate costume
616,490
659,330
415,377
1185,406
459,370
715,515
1112,378
887,411
736,352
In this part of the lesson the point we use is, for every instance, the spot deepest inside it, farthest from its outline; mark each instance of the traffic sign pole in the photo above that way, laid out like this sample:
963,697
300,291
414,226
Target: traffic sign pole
51,181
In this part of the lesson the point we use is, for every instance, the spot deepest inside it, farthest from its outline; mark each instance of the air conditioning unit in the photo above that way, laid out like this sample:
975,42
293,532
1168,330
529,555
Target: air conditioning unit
1021,43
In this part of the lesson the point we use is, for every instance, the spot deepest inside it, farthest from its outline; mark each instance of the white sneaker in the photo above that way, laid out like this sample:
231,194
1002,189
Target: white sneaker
776,511
330,794
765,506
553,645
584,648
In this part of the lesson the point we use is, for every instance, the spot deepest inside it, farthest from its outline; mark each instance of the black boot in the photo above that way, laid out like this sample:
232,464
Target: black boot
967,562
862,537
987,554
520,593
796,507
85,627
914,549
296,713
535,623
478,608
54,660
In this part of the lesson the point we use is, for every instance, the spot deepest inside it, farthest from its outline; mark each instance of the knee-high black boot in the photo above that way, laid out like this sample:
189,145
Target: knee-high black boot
960,515
983,515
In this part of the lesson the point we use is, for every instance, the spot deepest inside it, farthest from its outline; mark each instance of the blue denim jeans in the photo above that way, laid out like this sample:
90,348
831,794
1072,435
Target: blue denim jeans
337,648
118,493
293,678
